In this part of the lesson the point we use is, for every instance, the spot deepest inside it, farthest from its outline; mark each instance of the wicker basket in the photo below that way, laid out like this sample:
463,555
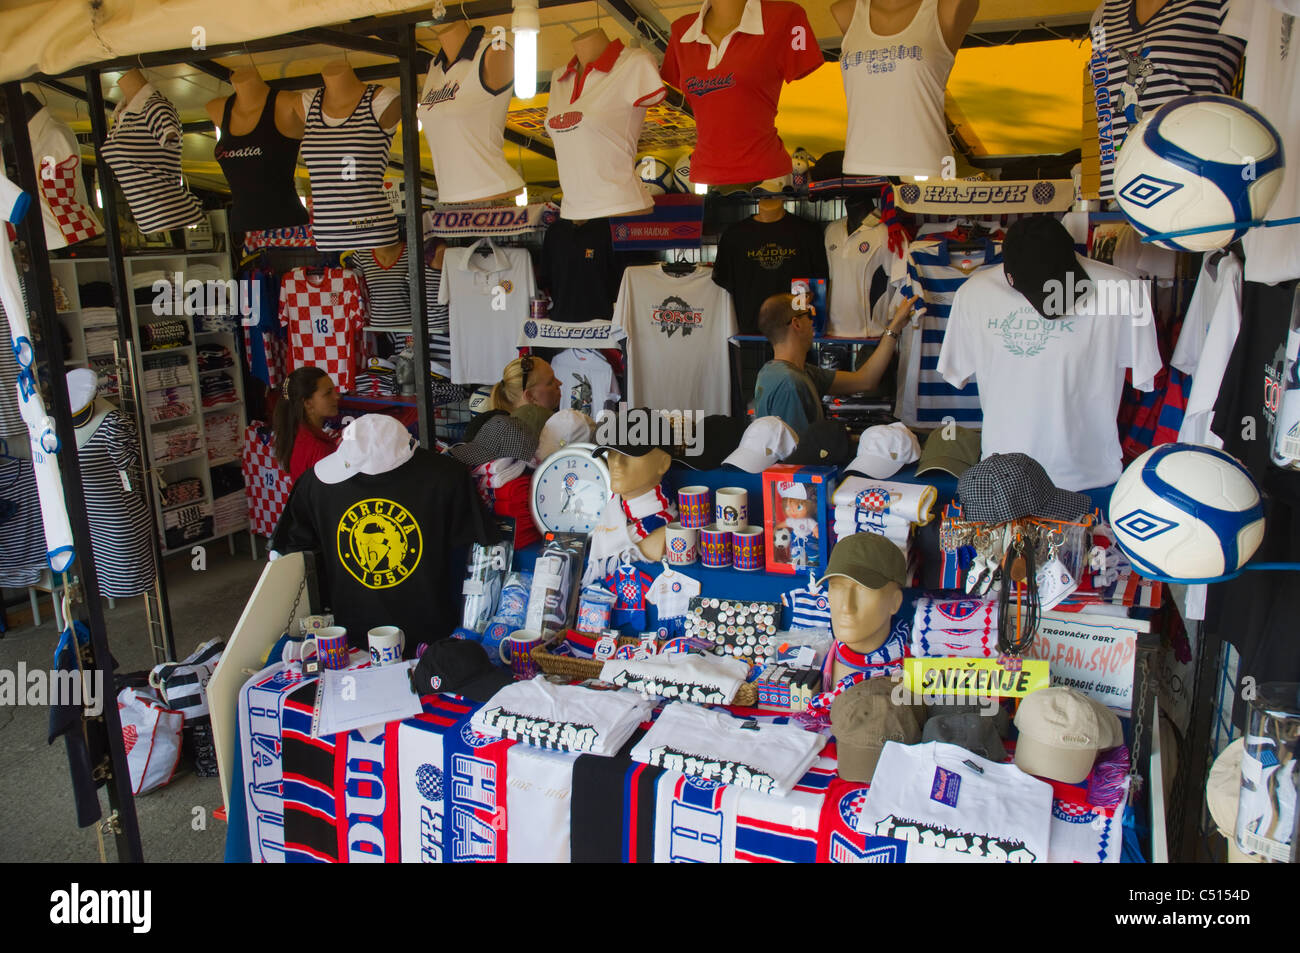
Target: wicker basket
582,668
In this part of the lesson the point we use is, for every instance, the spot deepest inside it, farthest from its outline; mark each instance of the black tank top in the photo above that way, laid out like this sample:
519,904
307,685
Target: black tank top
259,167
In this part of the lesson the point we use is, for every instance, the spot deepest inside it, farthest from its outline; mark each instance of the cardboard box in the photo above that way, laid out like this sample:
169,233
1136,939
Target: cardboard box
796,532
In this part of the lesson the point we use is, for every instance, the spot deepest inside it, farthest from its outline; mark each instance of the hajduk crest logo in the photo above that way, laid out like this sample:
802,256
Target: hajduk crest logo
674,315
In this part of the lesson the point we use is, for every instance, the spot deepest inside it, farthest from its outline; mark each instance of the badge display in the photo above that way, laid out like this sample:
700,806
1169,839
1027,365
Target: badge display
742,629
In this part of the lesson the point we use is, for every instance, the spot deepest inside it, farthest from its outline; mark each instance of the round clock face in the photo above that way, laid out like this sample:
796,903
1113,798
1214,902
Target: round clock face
570,490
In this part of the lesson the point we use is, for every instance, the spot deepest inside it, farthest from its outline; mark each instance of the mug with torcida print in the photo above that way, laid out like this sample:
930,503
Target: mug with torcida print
715,547
694,506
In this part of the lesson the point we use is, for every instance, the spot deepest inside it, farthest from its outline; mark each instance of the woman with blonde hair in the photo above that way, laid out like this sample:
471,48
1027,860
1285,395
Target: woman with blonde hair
526,381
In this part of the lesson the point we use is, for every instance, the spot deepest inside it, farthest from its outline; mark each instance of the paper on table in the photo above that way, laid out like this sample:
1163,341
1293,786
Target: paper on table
360,697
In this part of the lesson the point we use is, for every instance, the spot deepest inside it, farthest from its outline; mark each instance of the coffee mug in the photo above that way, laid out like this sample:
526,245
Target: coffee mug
387,644
732,508
680,545
332,647
747,549
715,546
516,651
694,507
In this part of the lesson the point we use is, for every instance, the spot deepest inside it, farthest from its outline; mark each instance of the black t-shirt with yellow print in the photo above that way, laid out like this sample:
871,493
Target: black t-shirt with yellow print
390,547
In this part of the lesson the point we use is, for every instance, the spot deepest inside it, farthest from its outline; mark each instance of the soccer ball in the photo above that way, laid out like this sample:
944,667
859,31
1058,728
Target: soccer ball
1199,161
656,174
682,173
480,400
1186,512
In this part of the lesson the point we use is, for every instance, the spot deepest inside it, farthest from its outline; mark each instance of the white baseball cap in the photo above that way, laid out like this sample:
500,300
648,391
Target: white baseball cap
884,450
1061,731
794,491
375,443
563,428
765,442
83,384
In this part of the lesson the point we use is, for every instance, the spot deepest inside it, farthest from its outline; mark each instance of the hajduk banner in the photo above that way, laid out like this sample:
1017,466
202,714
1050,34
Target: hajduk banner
476,221
985,198
676,222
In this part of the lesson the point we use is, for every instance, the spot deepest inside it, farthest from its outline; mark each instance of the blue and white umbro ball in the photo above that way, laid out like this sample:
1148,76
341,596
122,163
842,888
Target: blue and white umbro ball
481,400
1199,161
682,173
1187,512
656,174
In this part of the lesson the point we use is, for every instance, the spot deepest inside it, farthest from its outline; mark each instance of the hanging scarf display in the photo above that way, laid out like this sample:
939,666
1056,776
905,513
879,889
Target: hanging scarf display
623,524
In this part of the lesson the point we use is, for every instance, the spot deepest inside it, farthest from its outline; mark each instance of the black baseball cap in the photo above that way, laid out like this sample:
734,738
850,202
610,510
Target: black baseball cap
719,436
825,443
651,436
461,667
1036,252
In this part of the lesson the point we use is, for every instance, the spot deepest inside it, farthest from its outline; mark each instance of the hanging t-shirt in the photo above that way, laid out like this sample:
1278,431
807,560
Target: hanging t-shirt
759,259
895,83
1272,76
347,159
950,805
594,117
808,609
935,273
587,382
860,265
464,123
734,88
119,519
1052,388
143,149
629,586
579,269
671,594
388,291
67,213
1205,344
322,313
259,165
488,290
677,330
1138,67
384,544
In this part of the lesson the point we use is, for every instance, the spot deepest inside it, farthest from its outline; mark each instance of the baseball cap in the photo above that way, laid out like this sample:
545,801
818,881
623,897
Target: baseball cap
718,435
864,719
83,384
1001,720
501,438
374,443
969,730
766,441
869,559
1038,250
953,454
825,443
793,491
782,186
1011,486
884,450
476,424
461,667
1061,731
532,418
656,435
564,427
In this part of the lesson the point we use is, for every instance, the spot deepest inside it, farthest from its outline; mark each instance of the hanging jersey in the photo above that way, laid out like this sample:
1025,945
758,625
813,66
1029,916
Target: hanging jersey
56,156
347,163
388,292
119,518
630,587
1137,68
860,266
264,345
143,149
322,314
464,123
489,295
808,610
587,381
259,166
594,118
677,330
671,594
895,82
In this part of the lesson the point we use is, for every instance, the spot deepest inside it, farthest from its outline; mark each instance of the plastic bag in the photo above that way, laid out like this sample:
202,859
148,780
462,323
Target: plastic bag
485,574
152,736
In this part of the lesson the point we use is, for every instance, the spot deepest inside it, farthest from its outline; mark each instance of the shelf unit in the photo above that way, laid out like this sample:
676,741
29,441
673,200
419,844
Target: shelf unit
73,272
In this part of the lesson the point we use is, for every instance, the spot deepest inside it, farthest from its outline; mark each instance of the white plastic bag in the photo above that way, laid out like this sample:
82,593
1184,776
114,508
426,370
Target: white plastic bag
152,736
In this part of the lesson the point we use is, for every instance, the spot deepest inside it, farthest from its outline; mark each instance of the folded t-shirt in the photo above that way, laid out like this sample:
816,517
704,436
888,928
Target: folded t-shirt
703,679
563,717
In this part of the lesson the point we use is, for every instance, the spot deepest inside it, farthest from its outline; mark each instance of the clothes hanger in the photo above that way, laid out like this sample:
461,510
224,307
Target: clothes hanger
679,267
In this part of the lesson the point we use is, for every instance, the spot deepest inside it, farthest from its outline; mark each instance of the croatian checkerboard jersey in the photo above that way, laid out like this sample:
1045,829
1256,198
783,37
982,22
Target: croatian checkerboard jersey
323,314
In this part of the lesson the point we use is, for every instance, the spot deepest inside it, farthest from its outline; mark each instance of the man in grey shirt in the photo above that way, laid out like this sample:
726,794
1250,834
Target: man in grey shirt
789,388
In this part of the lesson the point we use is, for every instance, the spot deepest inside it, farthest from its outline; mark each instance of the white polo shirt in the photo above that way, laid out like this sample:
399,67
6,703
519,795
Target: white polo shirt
858,262
488,296
594,119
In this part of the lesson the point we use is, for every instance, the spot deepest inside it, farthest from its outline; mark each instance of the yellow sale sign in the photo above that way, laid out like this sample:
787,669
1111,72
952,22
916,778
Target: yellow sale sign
976,677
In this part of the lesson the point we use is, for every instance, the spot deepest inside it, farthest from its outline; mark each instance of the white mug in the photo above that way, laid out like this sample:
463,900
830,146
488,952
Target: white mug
387,644
680,545
731,508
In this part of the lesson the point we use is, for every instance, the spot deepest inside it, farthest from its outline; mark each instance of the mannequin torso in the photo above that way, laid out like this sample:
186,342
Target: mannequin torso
1146,9
343,92
130,83
723,17
893,16
250,99
588,46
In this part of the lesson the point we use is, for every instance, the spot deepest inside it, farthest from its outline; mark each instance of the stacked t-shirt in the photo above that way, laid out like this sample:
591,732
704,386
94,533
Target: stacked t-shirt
701,679
563,717
759,259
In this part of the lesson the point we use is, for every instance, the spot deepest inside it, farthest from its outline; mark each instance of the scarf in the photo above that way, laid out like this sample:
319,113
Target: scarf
623,524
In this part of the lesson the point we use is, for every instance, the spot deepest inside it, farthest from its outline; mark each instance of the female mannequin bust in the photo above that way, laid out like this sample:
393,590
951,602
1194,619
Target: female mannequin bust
250,98
130,83
343,91
893,16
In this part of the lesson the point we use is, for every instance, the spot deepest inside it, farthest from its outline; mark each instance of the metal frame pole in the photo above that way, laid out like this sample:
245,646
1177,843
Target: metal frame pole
415,232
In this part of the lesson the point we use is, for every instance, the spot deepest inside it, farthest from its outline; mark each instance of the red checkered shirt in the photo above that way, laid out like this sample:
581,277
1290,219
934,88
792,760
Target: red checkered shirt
323,315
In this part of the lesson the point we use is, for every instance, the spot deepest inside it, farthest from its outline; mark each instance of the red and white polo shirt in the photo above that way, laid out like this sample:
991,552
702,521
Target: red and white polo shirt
323,313
734,88
594,119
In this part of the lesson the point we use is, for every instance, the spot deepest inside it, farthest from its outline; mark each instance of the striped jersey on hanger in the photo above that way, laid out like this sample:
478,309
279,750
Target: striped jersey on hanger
119,519
143,149
347,164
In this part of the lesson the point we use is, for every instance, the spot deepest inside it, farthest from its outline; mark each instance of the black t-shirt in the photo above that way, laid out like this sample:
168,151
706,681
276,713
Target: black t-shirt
387,545
580,270
759,259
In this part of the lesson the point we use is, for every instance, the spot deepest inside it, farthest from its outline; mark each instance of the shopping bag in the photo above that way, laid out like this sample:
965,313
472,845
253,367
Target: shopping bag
152,737
183,685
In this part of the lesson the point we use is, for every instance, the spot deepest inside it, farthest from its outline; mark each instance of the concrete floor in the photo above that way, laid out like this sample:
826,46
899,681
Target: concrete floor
37,816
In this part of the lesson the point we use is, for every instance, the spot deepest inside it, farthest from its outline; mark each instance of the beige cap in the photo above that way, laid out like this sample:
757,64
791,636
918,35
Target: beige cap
1223,789
864,718
1061,731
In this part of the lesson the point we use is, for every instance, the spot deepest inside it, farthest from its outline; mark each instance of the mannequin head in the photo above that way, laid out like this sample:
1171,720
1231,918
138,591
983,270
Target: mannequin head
526,380
859,614
631,476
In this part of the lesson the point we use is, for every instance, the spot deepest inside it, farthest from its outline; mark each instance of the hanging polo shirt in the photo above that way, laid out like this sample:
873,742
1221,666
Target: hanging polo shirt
594,119
734,88
489,294
860,265
67,213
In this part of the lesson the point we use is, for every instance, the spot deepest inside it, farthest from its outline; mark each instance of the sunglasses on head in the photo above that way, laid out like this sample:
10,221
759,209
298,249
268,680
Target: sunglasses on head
526,365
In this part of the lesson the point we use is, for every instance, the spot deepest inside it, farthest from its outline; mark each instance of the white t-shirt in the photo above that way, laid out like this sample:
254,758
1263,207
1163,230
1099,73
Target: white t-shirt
859,263
677,330
67,212
1205,343
951,805
488,297
586,381
594,121
1051,388
700,679
563,717
712,744
1272,78
671,594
